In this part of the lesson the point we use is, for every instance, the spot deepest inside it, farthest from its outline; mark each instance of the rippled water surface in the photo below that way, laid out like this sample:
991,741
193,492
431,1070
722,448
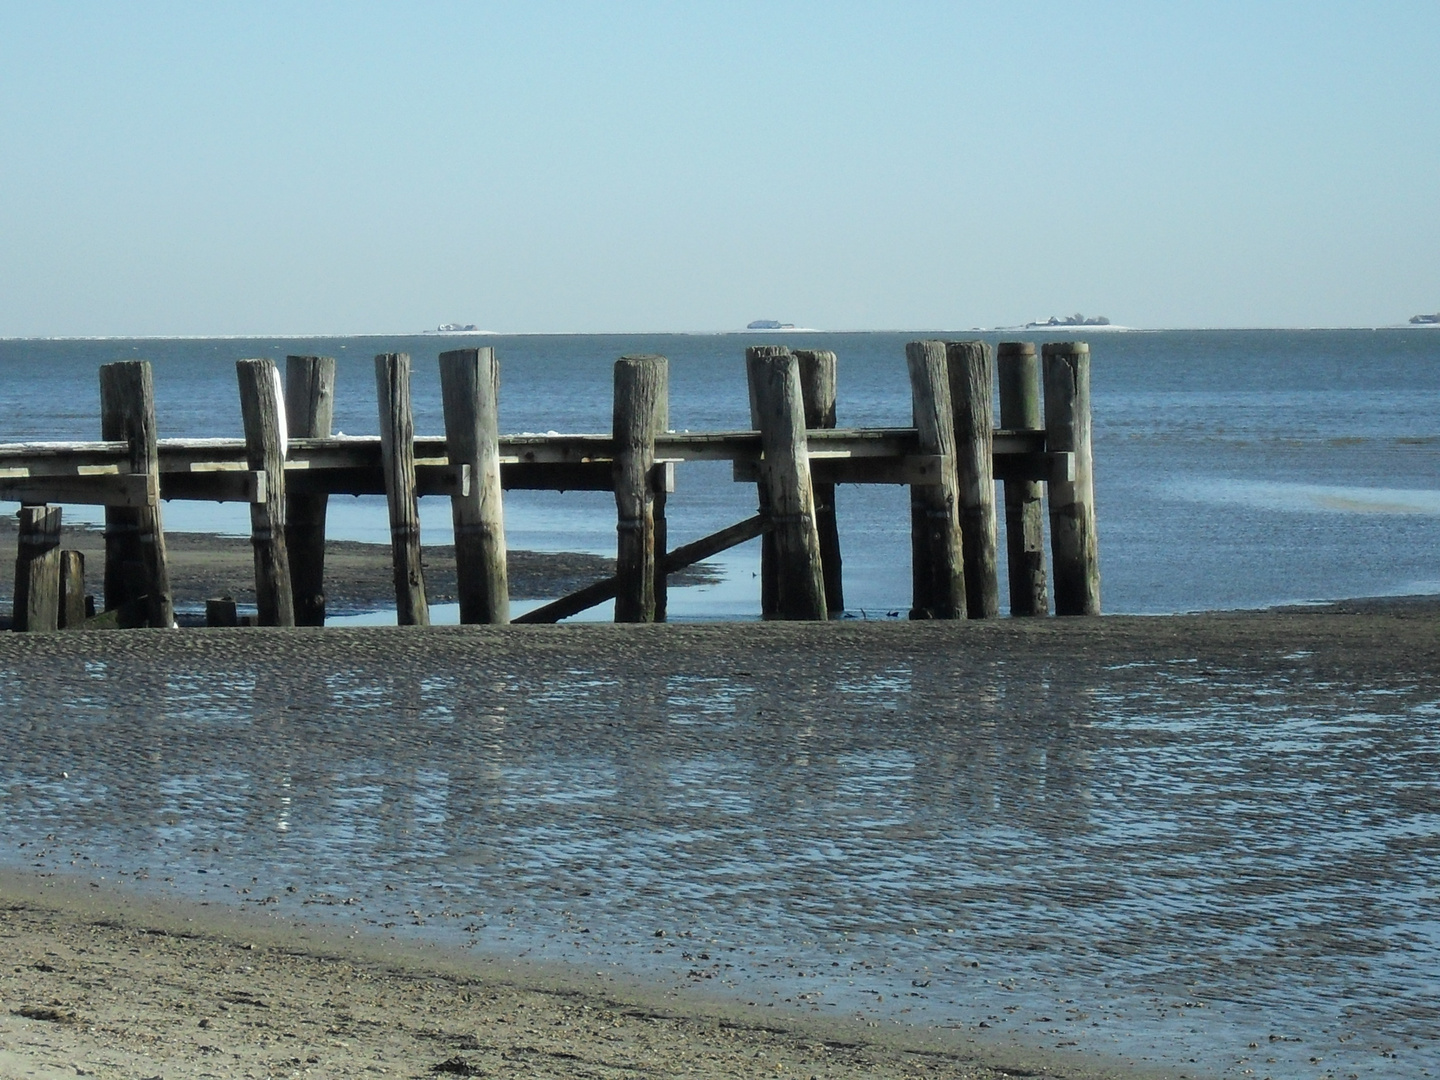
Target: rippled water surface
1164,861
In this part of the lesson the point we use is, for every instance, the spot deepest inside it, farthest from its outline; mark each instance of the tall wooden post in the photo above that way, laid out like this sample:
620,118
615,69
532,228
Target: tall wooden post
640,411
470,390
660,495
37,570
262,408
1074,543
72,589
785,473
769,576
1018,369
137,580
661,485
309,413
972,388
937,554
817,389
397,454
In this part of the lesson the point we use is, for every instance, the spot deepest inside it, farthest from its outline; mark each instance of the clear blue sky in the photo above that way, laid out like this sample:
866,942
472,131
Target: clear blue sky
349,167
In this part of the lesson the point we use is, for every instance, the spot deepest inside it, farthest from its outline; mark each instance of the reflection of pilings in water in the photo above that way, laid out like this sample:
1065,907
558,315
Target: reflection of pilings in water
395,794
142,716
218,797
671,741
960,765
282,712
634,702
1009,749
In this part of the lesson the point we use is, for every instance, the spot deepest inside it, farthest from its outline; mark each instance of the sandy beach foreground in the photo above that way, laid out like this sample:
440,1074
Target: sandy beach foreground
99,984
97,981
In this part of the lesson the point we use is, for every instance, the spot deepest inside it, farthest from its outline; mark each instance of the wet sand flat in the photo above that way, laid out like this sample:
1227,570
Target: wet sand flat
1347,637
1141,840
359,577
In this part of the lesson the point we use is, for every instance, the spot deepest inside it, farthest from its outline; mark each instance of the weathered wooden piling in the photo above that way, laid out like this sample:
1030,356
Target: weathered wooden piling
1074,543
74,606
309,414
769,579
660,495
137,580
972,390
262,408
818,370
397,453
37,570
640,413
220,611
785,475
1018,369
470,388
937,554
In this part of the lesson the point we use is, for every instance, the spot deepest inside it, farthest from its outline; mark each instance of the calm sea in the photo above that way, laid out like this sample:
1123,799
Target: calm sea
1233,468
1226,872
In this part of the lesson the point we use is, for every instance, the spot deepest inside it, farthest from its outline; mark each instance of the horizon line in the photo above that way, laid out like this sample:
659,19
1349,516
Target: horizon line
453,335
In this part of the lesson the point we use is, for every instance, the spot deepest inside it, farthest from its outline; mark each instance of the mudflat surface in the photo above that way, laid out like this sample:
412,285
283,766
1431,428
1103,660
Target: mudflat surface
1347,639
1189,843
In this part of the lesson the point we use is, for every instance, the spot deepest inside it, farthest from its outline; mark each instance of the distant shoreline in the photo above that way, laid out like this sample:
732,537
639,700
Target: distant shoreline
491,334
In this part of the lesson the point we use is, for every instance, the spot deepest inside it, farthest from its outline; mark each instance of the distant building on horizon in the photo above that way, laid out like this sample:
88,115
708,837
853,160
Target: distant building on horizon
1072,320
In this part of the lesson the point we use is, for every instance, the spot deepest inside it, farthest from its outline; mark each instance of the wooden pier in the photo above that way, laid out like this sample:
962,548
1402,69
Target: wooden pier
288,465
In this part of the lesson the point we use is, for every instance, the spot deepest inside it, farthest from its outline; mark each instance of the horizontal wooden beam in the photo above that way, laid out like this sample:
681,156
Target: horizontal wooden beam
917,469
217,470
222,485
103,489
349,451
229,485
430,479
556,476
63,458
1040,465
